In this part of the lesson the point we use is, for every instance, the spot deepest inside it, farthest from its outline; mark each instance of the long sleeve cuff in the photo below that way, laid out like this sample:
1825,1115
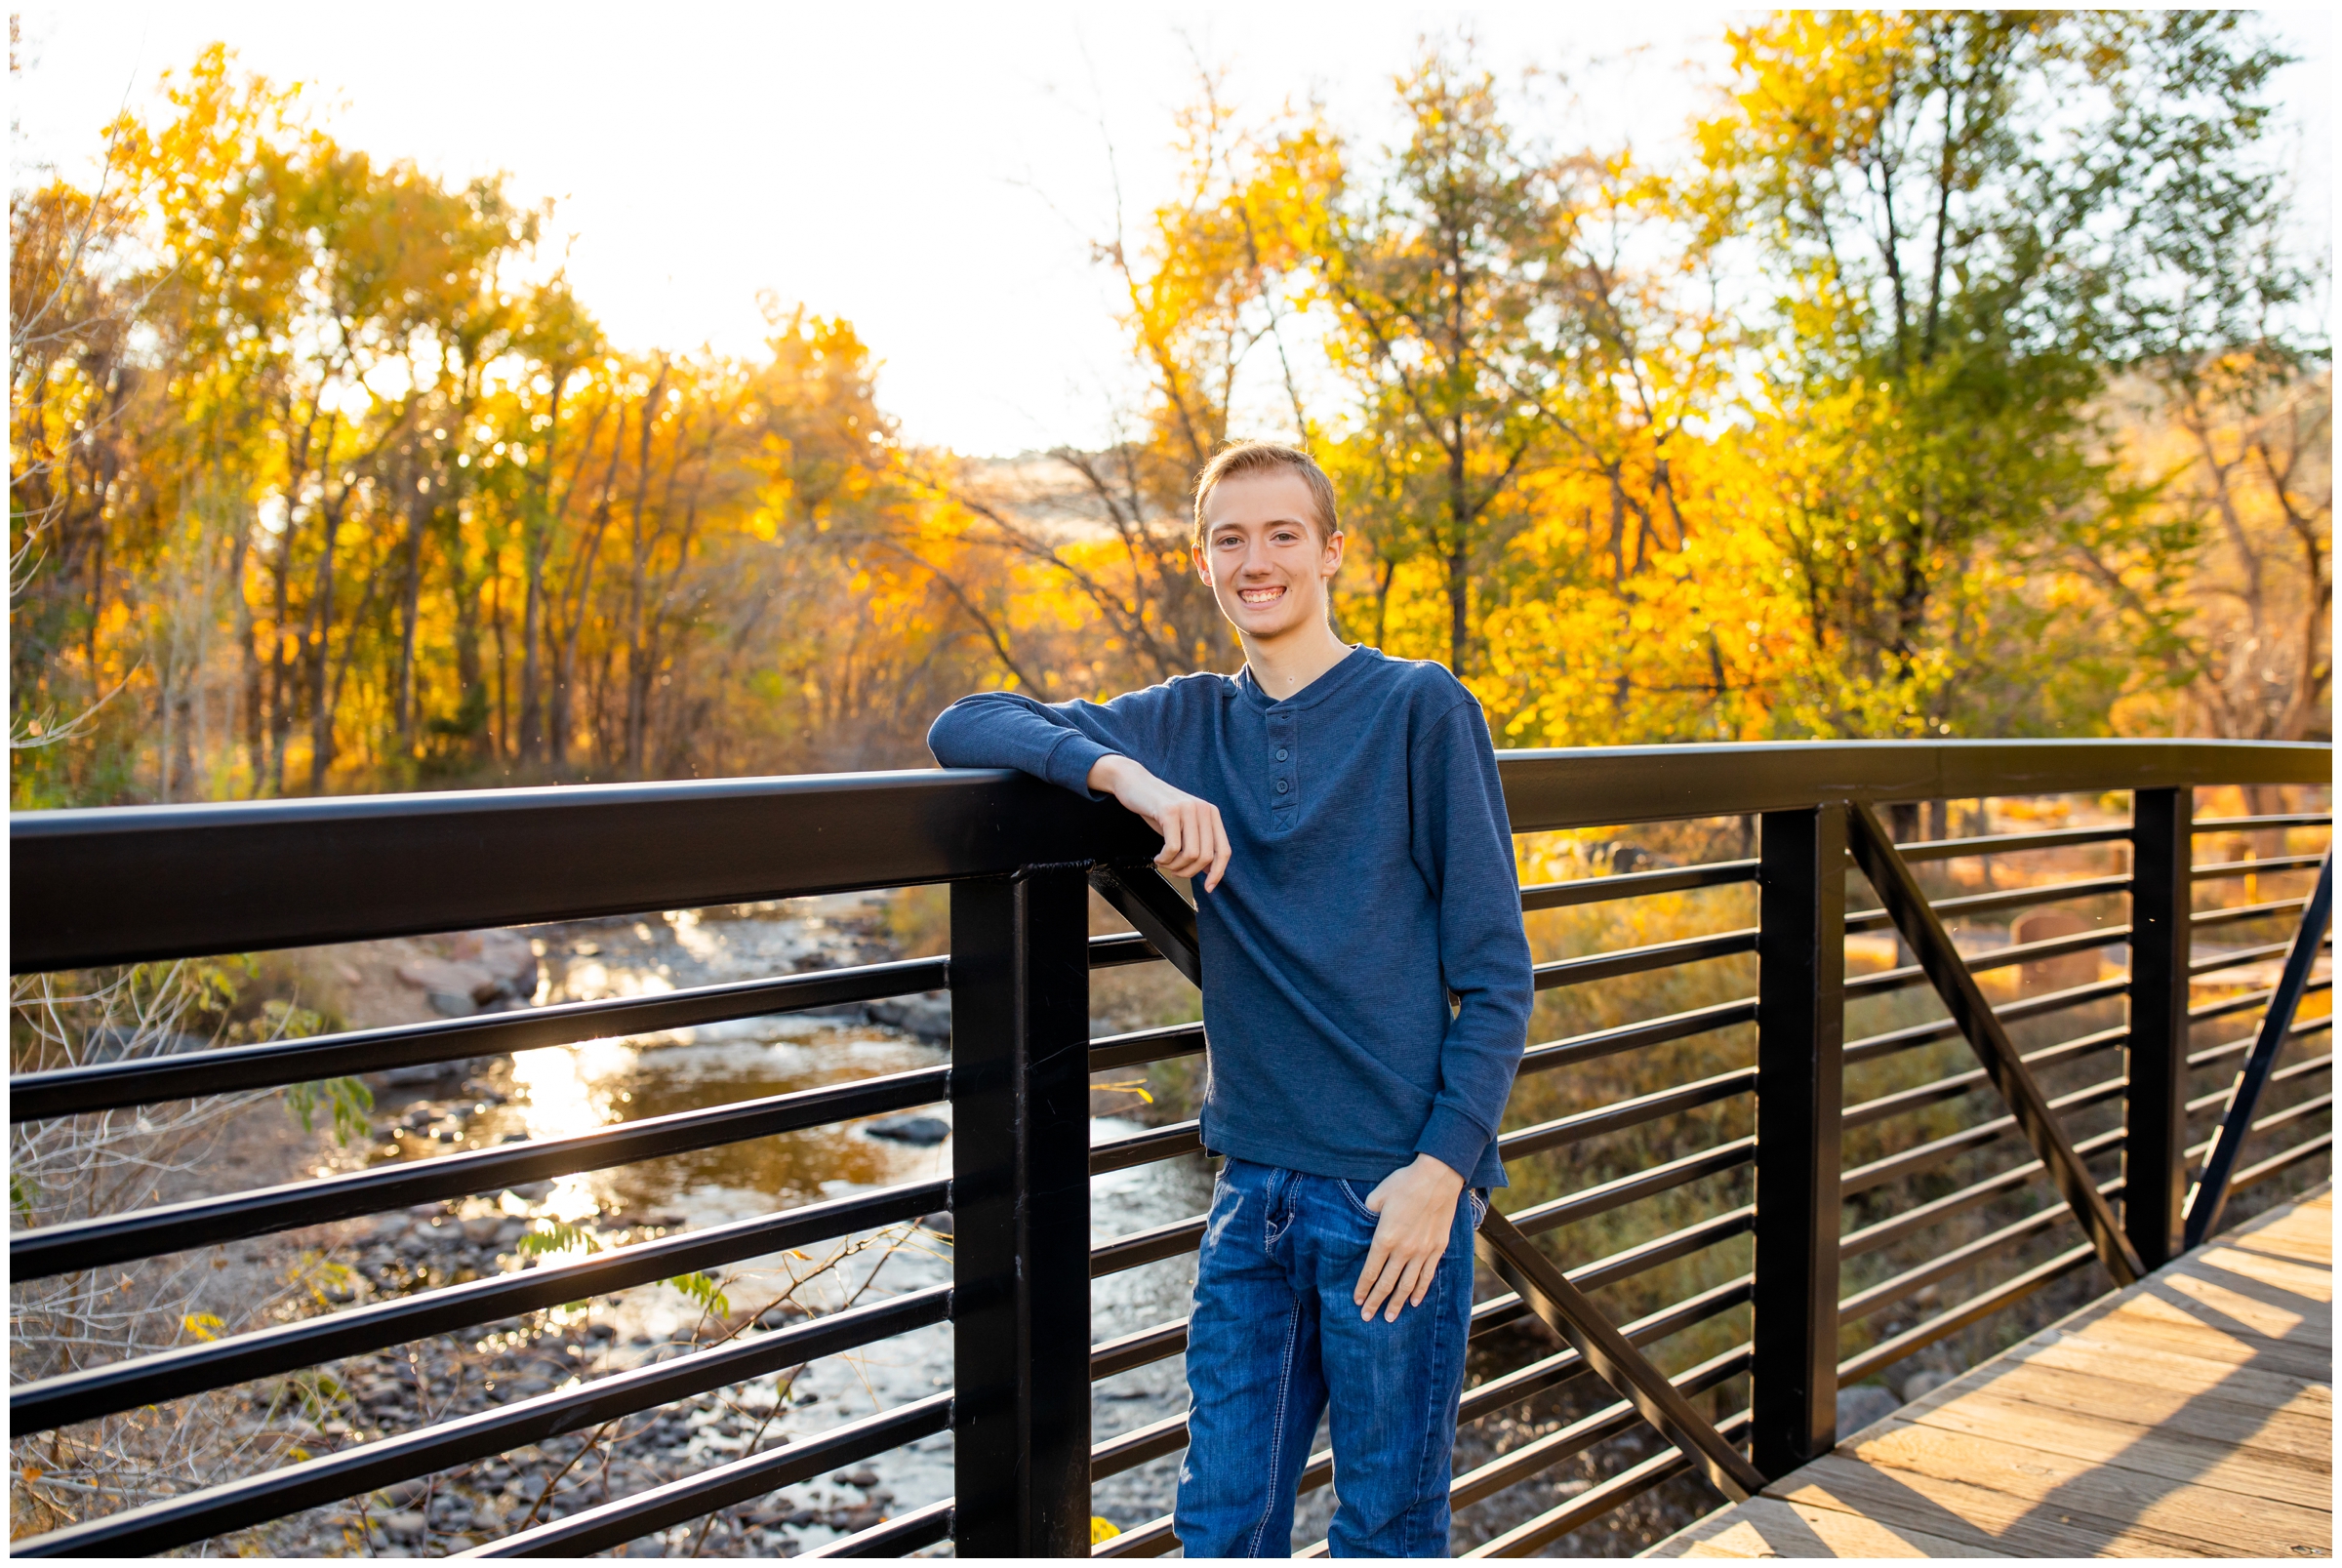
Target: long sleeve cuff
1454,1140
1071,760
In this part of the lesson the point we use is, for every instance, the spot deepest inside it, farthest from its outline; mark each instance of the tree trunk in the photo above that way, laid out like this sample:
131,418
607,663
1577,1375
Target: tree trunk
410,604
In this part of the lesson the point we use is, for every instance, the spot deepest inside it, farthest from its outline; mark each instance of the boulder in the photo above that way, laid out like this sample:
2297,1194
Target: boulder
1859,1406
924,1131
927,1017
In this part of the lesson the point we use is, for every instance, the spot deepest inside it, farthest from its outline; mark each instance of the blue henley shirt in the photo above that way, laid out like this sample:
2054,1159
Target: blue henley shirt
1370,875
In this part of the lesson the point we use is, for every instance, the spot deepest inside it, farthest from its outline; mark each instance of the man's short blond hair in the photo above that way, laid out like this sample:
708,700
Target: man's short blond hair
1268,456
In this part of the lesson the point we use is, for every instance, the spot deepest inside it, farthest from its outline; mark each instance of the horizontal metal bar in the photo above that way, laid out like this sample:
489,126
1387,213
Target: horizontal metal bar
1544,1453
1952,849
2295,1111
1635,884
625,1519
2012,899
1110,1052
1111,952
1975,1079
1129,1450
1145,1444
203,1222
1893,1229
2299,1028
1872,1048
1165,1340
1527,1539
2281,1162
122,885
1594,1200
1937,1152
188,1369
2024,952
1113,1357
1578,1049
1917,1337
1638,960
1153,1538
2240,824
1623,1114
2274,863
897,1537
1561,1367
2299,1070
214,1511
2216,962
1863,1303
1142,1247
2202,919
150,882
1146,1148
111,1085
2250,1001
1697,1236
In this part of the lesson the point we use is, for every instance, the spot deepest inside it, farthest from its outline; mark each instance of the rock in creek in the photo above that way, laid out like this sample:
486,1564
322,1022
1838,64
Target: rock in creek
929,1017
920,1130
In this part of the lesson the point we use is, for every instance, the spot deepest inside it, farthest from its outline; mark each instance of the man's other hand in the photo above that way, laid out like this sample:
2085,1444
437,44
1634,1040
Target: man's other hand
1195,840
1415,1211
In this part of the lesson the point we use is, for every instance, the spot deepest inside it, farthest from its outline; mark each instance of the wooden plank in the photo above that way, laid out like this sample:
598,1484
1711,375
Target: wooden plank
2232,1299
2191,1415
2177,1334
2309,1281
2304,1246
2160,1379
2306,1435
1906,1501
2031,1480
1766,1527
2172,1452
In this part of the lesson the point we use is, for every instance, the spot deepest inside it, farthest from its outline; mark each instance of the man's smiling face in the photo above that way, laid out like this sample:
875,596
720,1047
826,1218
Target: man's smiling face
1265,554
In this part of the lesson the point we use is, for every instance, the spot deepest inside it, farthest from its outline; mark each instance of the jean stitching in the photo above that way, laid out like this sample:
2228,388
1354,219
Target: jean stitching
1365,1212
1276,1438
1426,1458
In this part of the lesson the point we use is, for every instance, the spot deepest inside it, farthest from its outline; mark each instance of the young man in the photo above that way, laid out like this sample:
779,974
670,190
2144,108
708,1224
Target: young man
1341,816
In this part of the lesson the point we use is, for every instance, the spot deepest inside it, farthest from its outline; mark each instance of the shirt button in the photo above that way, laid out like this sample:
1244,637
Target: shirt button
1280,754
1284,784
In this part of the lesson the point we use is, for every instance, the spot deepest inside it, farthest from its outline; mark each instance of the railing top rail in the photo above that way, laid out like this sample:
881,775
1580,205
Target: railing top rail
156,882
1594,786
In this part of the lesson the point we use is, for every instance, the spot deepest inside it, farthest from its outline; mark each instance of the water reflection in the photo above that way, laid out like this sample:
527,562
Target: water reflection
561,1091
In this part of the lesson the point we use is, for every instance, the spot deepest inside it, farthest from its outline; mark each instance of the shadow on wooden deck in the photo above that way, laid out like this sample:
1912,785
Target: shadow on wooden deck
2189,1416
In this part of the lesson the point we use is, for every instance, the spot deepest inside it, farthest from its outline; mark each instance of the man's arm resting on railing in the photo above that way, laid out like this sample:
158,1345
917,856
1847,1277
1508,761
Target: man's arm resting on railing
1095,748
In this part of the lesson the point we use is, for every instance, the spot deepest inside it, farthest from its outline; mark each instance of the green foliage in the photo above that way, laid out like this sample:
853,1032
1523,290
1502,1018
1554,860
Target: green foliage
348,1098
551,1235
703,1291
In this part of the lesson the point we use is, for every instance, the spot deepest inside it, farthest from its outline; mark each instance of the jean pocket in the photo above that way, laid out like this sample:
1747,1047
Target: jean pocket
1356,1203
1479,1204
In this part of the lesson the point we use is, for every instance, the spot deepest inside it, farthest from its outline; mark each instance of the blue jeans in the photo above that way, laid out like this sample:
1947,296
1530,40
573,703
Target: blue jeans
1276,1332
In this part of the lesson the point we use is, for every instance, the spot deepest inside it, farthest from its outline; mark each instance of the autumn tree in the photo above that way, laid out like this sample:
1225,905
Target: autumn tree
1970,221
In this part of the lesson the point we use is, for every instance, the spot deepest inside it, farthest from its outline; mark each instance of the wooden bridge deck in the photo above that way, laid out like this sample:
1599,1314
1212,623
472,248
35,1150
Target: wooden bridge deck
2190,1416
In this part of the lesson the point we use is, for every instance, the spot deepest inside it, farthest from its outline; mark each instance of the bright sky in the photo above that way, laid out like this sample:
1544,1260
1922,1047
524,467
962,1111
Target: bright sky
936,174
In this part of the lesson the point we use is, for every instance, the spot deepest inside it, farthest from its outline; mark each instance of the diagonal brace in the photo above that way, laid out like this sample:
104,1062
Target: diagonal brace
2244,1101
1899,891
1627,1369
1142,898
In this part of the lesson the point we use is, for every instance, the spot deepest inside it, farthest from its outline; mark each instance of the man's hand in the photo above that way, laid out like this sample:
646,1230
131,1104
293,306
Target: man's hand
1194,841
1416,1209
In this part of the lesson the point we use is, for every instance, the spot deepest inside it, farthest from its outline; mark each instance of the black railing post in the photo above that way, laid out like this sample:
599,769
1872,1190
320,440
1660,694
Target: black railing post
1801,1095
1020,1209
2155,1162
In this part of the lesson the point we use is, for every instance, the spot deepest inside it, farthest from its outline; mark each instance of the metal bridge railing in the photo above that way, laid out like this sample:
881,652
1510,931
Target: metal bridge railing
91,888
